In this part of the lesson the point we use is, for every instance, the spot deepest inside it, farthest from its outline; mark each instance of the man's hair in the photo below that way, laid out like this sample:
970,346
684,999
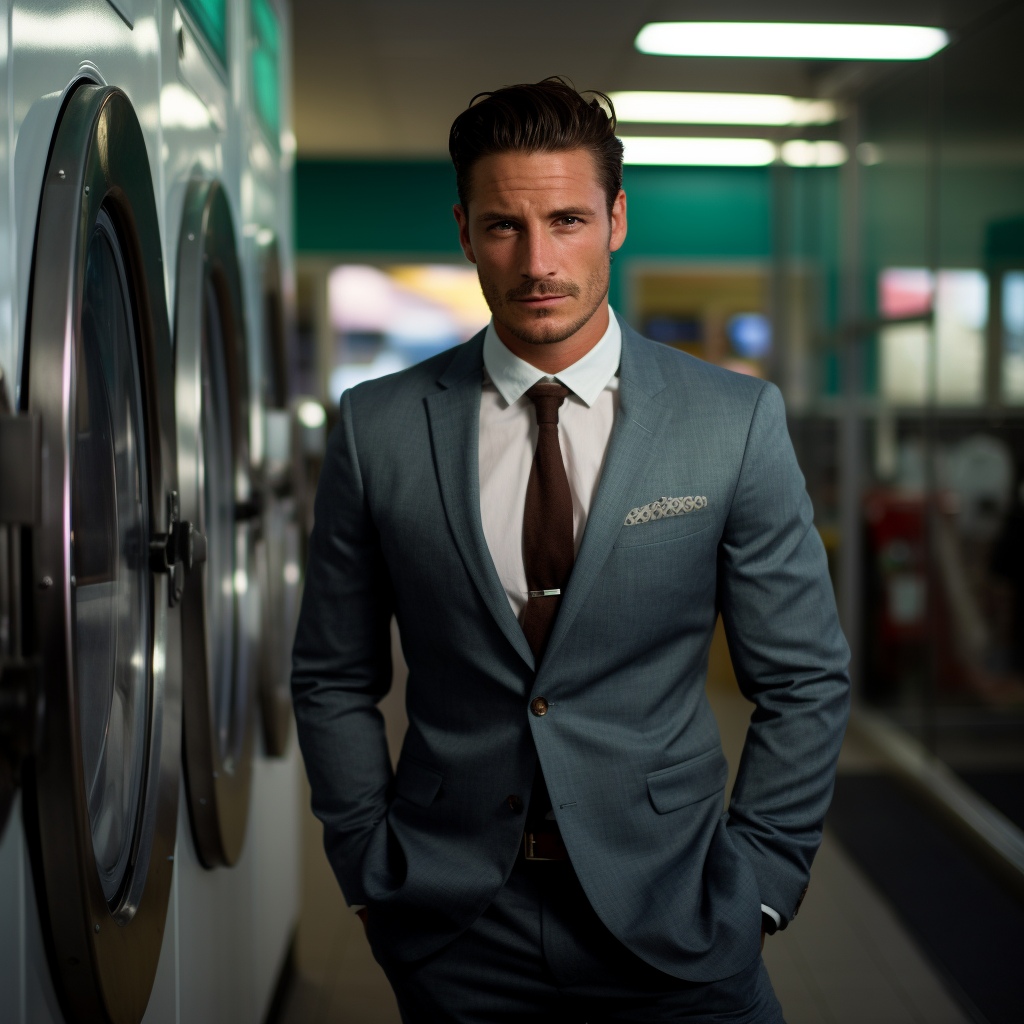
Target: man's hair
550,116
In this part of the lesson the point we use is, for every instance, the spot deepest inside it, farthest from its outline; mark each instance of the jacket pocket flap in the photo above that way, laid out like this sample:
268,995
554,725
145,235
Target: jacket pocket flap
688,782
416,782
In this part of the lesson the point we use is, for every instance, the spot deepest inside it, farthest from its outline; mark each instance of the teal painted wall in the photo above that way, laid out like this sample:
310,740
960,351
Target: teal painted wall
404,209
375,207
712,212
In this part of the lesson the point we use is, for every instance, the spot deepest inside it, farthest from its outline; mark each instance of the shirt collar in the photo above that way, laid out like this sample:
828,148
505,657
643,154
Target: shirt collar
586,378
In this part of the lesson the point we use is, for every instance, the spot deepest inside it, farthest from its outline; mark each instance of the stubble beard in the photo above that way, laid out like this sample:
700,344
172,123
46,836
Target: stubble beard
533,331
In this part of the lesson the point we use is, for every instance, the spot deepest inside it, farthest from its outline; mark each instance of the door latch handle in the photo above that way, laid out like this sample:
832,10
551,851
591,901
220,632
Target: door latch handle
178,551
191,545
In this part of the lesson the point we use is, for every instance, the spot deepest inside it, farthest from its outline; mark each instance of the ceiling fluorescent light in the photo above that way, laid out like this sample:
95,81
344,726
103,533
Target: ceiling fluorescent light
785,39
720,108
698,152
823,153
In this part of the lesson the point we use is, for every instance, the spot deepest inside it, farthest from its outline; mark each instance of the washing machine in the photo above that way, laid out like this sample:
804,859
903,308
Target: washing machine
146,831
101,567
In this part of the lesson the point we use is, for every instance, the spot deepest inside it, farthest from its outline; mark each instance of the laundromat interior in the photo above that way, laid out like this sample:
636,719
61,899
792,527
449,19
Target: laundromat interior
216,216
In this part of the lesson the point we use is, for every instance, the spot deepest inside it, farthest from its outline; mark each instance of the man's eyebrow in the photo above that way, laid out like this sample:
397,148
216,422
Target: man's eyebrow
573,211
569,211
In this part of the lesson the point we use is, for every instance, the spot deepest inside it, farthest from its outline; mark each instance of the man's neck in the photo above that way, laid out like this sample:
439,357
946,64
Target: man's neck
554,357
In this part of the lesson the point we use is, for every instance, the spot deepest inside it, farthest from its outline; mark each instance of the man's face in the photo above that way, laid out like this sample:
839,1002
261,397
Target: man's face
539,232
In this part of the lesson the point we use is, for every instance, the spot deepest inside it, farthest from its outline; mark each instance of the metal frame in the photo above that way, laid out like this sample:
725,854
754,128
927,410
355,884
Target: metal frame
218,788
103,958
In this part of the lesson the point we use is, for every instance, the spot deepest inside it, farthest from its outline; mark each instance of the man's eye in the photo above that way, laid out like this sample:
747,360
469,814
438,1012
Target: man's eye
569,221
503,225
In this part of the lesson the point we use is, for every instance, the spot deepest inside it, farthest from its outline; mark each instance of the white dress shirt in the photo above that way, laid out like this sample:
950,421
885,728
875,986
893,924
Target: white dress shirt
508,440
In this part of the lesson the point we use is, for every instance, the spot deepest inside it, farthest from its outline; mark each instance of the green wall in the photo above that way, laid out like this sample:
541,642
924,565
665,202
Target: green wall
371,207
404,209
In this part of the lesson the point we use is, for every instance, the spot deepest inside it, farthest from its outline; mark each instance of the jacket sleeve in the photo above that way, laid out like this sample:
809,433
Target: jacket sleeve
791,660
341,662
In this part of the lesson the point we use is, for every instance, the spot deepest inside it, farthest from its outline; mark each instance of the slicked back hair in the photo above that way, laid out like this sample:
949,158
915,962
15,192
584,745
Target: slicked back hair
548,117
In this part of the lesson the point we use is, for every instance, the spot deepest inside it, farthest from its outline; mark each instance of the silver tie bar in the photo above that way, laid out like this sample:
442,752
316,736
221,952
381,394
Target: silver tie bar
543,593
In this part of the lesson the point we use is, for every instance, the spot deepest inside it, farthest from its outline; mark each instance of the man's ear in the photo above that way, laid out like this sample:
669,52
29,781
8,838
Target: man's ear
618,225
463,221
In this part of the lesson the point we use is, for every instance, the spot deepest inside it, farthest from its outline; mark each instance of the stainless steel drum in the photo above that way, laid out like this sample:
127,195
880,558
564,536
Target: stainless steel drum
105,570
220,621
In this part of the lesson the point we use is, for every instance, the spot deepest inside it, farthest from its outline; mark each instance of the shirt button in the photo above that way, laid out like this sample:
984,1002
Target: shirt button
515,804
539,706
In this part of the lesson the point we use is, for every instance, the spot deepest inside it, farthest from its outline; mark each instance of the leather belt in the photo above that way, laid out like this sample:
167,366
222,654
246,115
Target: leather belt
544,846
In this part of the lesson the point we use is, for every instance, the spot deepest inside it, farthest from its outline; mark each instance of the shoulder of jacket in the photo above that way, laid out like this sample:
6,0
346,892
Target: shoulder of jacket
702,381
411,384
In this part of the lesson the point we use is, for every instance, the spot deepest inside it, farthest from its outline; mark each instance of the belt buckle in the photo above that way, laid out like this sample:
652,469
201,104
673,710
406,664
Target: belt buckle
530,848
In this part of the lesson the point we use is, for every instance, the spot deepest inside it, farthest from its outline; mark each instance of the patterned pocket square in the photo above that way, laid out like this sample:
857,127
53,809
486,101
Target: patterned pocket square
664,507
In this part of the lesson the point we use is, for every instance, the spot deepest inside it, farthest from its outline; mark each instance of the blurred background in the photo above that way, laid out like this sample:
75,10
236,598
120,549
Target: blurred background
836,207
851,229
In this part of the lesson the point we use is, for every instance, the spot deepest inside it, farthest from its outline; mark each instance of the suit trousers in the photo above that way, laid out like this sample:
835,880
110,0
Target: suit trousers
540,953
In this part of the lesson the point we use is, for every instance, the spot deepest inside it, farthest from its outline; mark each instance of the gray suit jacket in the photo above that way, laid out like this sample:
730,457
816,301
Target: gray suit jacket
629,747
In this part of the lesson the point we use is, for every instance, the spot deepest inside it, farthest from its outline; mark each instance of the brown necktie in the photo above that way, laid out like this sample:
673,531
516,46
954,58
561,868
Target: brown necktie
548,551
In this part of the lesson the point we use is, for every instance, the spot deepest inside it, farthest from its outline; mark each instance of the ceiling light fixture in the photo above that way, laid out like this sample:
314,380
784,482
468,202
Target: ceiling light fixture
721,108
823,153
786,39
641,149
703,152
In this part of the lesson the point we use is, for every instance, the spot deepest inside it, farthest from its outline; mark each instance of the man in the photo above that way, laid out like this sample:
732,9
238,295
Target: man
557,511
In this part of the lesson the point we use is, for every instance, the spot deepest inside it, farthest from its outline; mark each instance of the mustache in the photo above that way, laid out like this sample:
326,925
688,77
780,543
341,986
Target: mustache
535,289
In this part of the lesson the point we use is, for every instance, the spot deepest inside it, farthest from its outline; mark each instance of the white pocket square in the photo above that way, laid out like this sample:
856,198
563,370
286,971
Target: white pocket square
663,507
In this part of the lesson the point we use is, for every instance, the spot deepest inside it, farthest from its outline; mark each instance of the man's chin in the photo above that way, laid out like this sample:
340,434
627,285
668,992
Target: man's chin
542,328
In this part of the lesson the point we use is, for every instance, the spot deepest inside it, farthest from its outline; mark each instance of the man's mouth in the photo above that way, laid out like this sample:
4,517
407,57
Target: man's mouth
541,301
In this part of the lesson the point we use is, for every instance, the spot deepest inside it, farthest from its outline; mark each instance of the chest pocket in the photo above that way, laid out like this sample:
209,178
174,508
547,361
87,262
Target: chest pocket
657,531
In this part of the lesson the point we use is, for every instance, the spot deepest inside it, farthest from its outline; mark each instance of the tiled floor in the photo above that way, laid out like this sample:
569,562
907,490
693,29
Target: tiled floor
845,960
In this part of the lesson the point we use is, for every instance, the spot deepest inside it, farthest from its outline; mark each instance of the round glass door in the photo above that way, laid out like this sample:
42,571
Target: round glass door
217,513
220,608
101,801
111,582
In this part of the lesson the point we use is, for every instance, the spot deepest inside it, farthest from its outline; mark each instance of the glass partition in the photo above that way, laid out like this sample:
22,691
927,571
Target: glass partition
909,386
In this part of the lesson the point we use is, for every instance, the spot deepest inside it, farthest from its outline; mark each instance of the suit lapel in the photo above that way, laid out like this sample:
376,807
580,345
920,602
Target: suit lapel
633,443
454,417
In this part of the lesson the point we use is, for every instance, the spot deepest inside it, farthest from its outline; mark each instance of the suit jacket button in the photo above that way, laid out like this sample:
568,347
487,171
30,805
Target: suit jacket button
539,706
515,804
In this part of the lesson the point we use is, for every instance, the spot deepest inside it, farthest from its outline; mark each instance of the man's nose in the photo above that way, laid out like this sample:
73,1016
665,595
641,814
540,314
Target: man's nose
538,256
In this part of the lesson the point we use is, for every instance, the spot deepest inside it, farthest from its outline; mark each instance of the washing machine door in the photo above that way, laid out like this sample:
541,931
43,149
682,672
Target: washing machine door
220,616
279,550
102,795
